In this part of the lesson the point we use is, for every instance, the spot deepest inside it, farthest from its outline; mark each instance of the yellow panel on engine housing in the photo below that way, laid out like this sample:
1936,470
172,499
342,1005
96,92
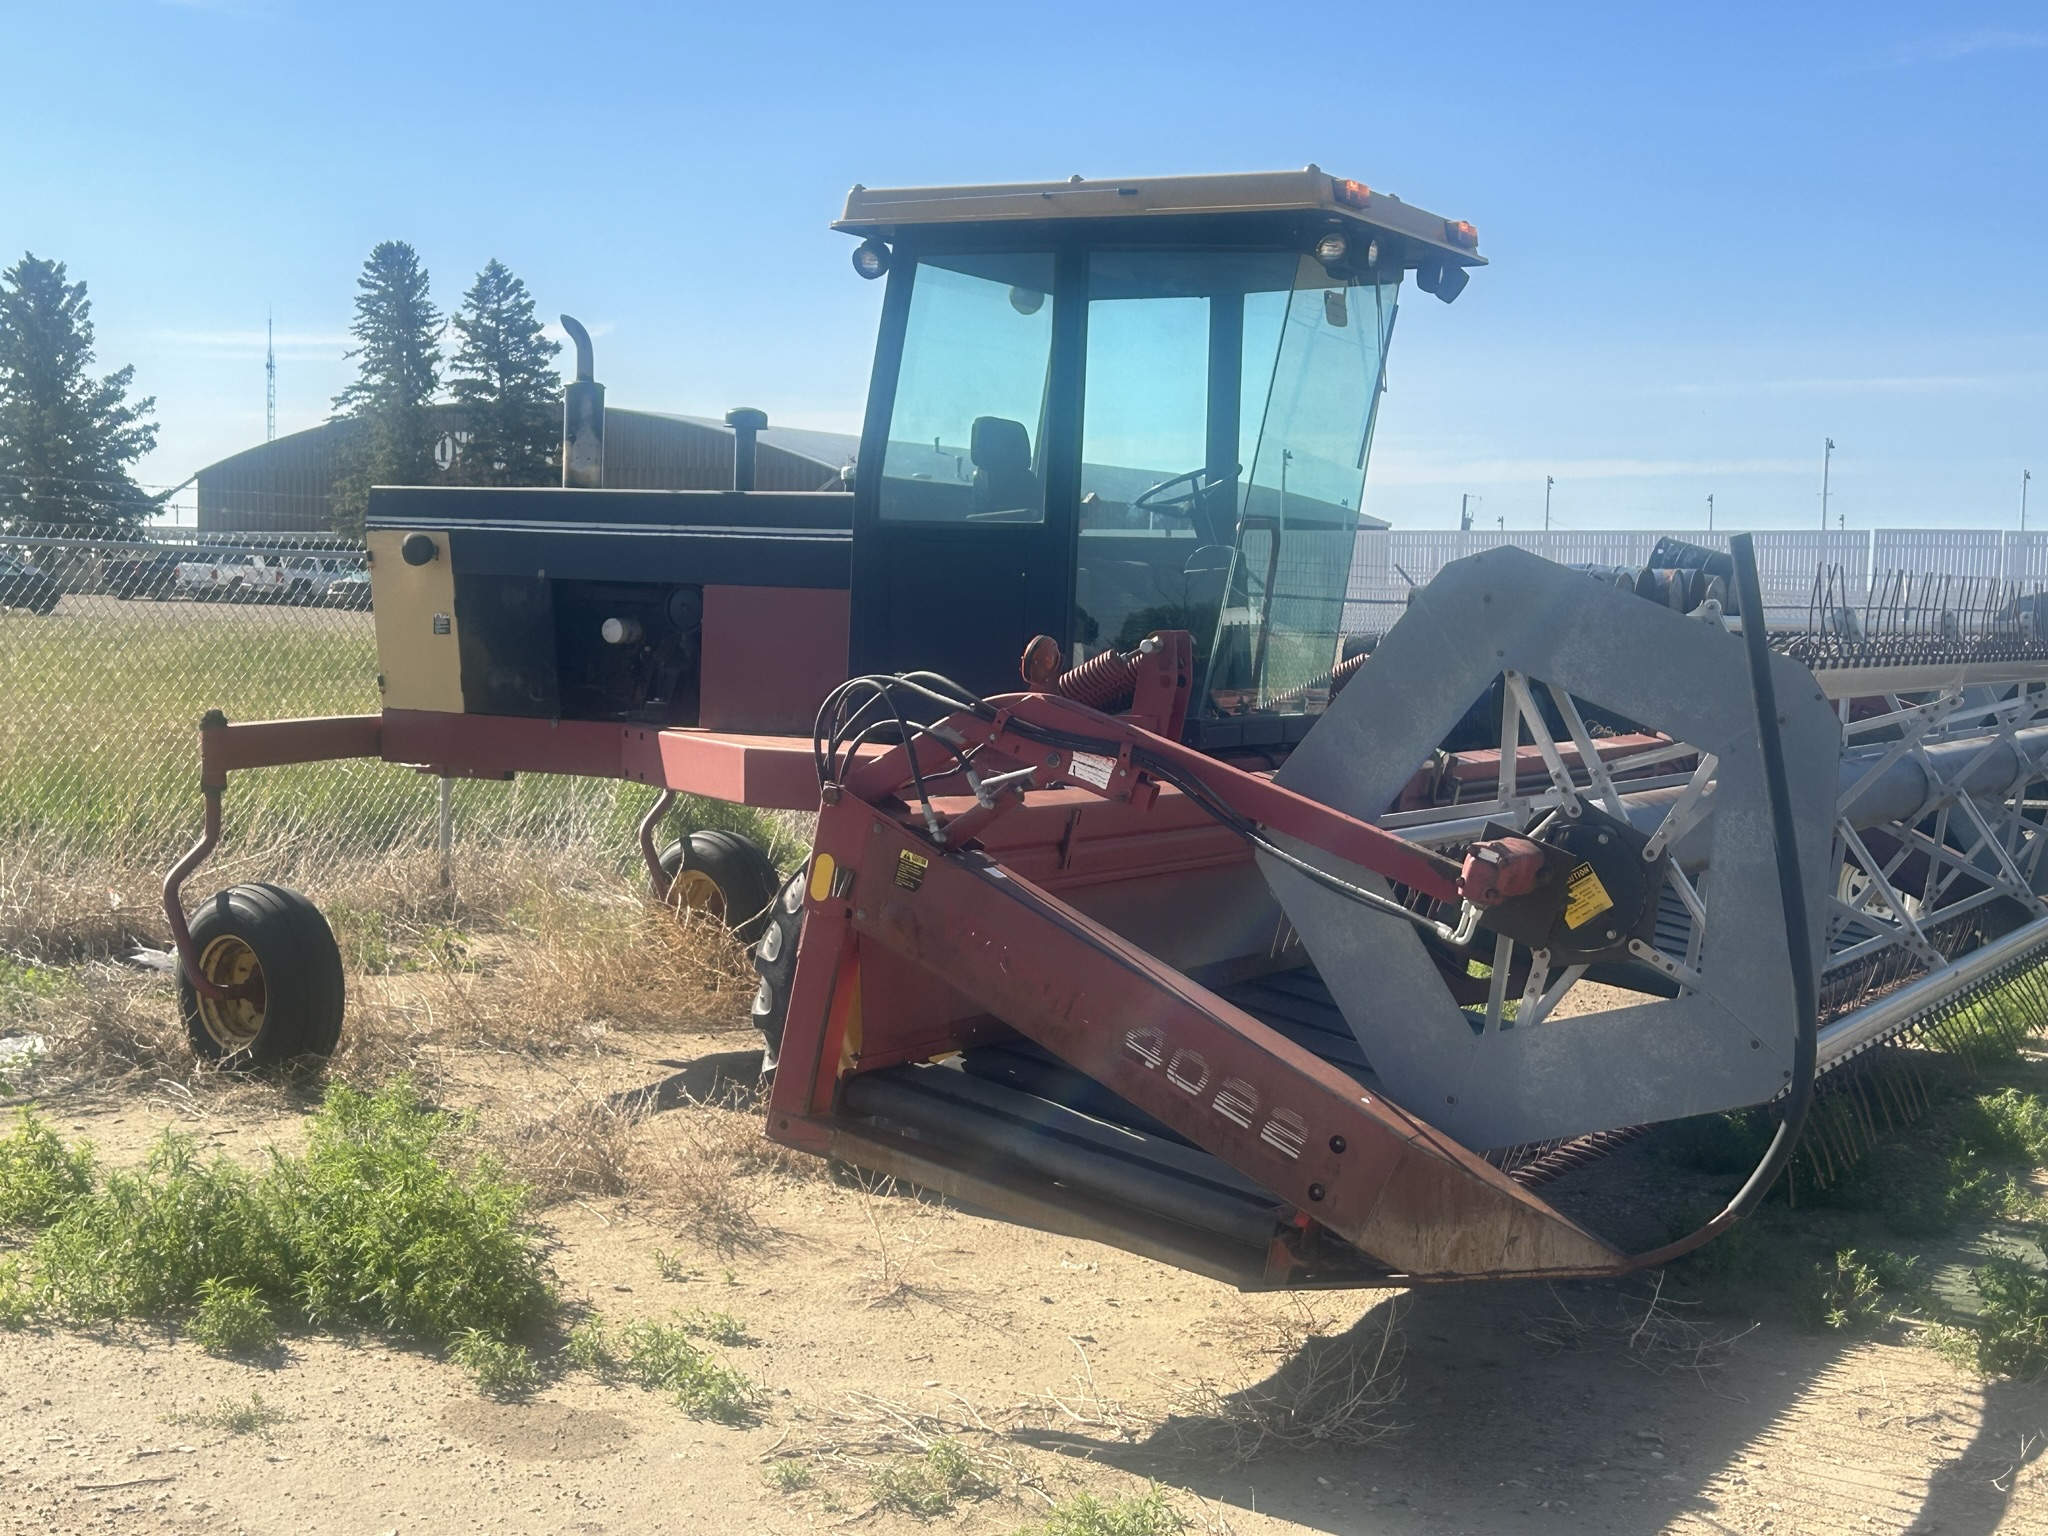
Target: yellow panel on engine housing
419,656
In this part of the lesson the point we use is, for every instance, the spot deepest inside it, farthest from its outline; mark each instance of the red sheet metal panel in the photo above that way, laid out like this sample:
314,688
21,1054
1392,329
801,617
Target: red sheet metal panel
771,654
272,743
1358,1164
773,772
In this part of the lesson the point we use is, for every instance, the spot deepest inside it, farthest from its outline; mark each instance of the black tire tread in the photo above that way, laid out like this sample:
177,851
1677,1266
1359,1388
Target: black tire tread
306,992
740,867
776,974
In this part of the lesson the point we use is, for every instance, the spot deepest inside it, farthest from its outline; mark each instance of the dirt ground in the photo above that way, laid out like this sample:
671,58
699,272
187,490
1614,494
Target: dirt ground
880,1318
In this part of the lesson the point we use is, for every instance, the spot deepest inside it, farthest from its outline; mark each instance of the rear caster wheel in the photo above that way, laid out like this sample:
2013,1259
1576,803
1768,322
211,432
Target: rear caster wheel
275,956
775,964
726,875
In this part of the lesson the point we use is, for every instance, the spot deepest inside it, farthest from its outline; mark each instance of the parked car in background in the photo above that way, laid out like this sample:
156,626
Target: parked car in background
308,578
215,576
350,591
25,586
142,575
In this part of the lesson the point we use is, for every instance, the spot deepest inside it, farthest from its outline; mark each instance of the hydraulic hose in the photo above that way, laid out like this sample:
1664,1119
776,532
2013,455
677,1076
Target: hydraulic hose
1791,889
1798,1097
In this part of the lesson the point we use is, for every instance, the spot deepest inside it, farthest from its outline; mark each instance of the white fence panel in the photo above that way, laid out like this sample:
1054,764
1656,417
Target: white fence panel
2026,558
1390,564
1978,552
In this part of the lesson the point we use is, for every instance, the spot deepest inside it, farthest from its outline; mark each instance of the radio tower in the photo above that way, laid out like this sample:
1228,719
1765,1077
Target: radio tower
269,383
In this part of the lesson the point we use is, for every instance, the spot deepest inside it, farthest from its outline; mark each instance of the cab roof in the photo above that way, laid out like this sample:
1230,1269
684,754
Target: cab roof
1286,200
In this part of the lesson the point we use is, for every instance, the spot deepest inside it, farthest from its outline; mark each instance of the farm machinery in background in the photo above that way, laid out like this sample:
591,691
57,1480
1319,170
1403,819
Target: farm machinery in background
1207,930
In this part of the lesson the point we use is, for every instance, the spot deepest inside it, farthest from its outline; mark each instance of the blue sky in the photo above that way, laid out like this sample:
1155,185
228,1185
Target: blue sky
1719,233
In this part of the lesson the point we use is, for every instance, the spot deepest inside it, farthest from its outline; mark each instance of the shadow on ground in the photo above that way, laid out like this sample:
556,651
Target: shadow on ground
1540,1409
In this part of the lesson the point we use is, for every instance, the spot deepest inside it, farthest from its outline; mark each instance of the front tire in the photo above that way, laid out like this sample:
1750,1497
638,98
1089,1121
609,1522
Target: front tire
274,950
775,964
725,874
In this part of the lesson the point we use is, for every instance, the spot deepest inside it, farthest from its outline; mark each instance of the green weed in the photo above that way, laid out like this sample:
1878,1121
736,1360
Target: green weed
23,985
2011,1334
590,1347
235,1416
932,1483
383,1223
498,1368
39,1175
391,1229
663,1358
2012,1124
2008,1336
144,1243
17,1305
232,1320
1148,1514
719,1328
789,1476
1856,1290
671,1267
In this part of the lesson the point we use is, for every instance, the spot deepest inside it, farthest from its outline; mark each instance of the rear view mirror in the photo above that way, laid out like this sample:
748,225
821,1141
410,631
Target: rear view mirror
1335,310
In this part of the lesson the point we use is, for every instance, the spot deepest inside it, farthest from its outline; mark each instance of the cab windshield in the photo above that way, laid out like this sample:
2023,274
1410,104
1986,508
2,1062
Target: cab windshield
1228,410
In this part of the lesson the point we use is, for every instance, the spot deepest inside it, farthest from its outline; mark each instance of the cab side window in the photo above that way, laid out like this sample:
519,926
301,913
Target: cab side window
966,429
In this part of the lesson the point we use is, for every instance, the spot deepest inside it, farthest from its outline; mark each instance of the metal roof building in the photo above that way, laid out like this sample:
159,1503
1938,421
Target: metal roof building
287,486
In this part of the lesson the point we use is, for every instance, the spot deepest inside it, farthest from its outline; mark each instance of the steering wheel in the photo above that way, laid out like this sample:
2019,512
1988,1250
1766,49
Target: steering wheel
1190,501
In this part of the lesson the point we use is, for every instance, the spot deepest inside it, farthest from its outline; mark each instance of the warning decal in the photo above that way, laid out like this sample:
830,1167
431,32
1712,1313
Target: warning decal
1091,769
1585,898
910,868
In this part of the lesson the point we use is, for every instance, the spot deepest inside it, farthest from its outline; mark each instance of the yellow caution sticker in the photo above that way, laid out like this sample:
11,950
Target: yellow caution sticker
910,868
1585,898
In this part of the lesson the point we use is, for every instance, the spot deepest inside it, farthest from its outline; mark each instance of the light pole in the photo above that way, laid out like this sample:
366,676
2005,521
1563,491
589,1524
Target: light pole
1826,460
1548,482
2025,476
1710,511
1465,513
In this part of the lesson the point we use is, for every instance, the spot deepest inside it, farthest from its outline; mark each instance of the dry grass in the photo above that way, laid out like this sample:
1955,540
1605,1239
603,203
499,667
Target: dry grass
585,1145
57,907
706,1167
918,1461
112,1024
1649,1329
711,1165
1294,1388
904,1225
531,949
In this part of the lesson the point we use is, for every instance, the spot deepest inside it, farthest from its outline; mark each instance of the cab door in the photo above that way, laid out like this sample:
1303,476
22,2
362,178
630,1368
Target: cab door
964,523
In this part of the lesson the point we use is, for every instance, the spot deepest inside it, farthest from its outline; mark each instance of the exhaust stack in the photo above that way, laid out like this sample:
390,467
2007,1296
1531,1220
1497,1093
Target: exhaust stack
582,416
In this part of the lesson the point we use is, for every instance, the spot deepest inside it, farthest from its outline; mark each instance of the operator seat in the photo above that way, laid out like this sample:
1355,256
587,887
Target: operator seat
1004,480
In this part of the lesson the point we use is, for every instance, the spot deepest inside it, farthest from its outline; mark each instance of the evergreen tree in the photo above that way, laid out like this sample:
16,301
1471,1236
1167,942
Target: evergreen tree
398,368
67,439
504,378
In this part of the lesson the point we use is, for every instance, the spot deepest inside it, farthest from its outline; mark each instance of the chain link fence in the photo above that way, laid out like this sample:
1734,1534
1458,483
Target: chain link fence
113,647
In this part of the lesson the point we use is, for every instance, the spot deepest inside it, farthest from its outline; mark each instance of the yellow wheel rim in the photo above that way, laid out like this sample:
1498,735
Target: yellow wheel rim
694,891
233,1021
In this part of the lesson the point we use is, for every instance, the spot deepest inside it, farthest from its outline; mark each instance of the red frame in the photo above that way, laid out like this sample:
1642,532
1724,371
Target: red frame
896,971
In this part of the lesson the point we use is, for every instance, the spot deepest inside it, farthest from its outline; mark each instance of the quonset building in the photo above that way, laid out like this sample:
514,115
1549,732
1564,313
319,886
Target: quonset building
286,486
